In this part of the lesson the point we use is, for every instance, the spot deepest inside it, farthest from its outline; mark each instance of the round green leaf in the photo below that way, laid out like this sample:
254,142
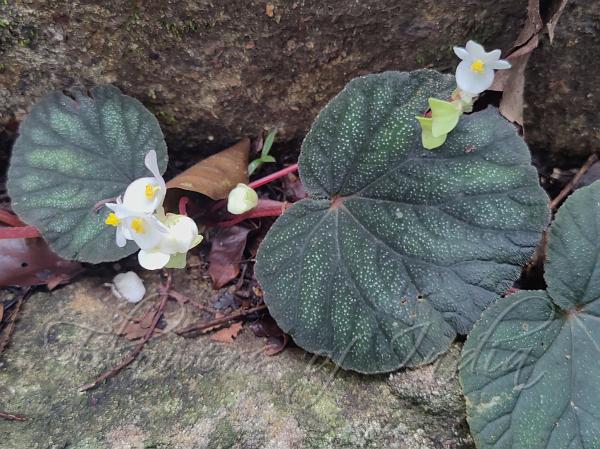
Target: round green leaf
398,248
530,366
72,152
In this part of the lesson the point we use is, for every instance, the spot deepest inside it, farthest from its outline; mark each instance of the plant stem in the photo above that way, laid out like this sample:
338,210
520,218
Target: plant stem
10,219
273,176
265,208
183,202
569,187
21,232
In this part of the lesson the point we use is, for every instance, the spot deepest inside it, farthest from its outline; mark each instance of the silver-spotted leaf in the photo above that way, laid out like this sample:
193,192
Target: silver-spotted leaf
72,152
530,367
398,248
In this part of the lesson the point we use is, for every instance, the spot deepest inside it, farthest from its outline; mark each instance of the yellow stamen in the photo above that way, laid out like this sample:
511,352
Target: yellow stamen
150,191
477,66
137,225
112,220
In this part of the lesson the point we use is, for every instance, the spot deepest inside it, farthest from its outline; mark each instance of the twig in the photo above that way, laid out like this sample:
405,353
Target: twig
14,317
12,417
199,327
133,354
569,187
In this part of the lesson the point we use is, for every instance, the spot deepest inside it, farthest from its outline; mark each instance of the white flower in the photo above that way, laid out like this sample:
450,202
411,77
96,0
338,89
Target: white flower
145,195
146,230
128,286
475,73
241,199
181,236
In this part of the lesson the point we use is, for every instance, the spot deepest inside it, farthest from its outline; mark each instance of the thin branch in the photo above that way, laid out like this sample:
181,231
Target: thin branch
14,317
199,327
569,187
164,292
12,417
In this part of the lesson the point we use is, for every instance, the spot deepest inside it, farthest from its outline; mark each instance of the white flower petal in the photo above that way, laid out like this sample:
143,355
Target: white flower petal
492,56
120,210
152,164
153,260
128,286
241,199
146,231
472,82
462,53
135,196
181,235
120,237
475,50
501,64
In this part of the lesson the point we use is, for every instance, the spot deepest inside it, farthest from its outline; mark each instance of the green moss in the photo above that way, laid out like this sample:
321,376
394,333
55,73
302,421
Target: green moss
224,436
166,117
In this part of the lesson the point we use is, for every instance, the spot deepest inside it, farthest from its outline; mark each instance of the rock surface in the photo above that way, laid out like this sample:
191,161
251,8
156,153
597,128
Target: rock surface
213,71
195,393
562,89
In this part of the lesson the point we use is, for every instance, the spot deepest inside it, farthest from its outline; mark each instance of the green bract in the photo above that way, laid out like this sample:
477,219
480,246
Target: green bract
530,367
398,248
73,152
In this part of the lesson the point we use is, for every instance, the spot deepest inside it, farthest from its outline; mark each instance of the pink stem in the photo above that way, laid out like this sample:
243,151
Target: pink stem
21,232
273,176
265,208
10,219
183,202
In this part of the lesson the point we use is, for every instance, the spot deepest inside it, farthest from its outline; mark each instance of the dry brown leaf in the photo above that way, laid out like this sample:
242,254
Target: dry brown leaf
1,312
554,19
228,334
27,262
216,175
226,254
512,82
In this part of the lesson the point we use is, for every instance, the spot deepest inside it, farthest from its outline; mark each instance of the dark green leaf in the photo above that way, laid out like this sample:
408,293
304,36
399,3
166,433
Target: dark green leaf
530,366
73,152
398,248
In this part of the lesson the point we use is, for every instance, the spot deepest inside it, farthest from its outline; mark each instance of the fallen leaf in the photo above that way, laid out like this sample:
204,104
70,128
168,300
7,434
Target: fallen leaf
553,21
26,262
512,82
216,175
226,254
1,312
270,9
228,334
277,340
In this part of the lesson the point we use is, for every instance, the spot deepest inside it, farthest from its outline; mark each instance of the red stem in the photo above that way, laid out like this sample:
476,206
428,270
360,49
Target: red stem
183,202
273,176
21,232
10,219
265,208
